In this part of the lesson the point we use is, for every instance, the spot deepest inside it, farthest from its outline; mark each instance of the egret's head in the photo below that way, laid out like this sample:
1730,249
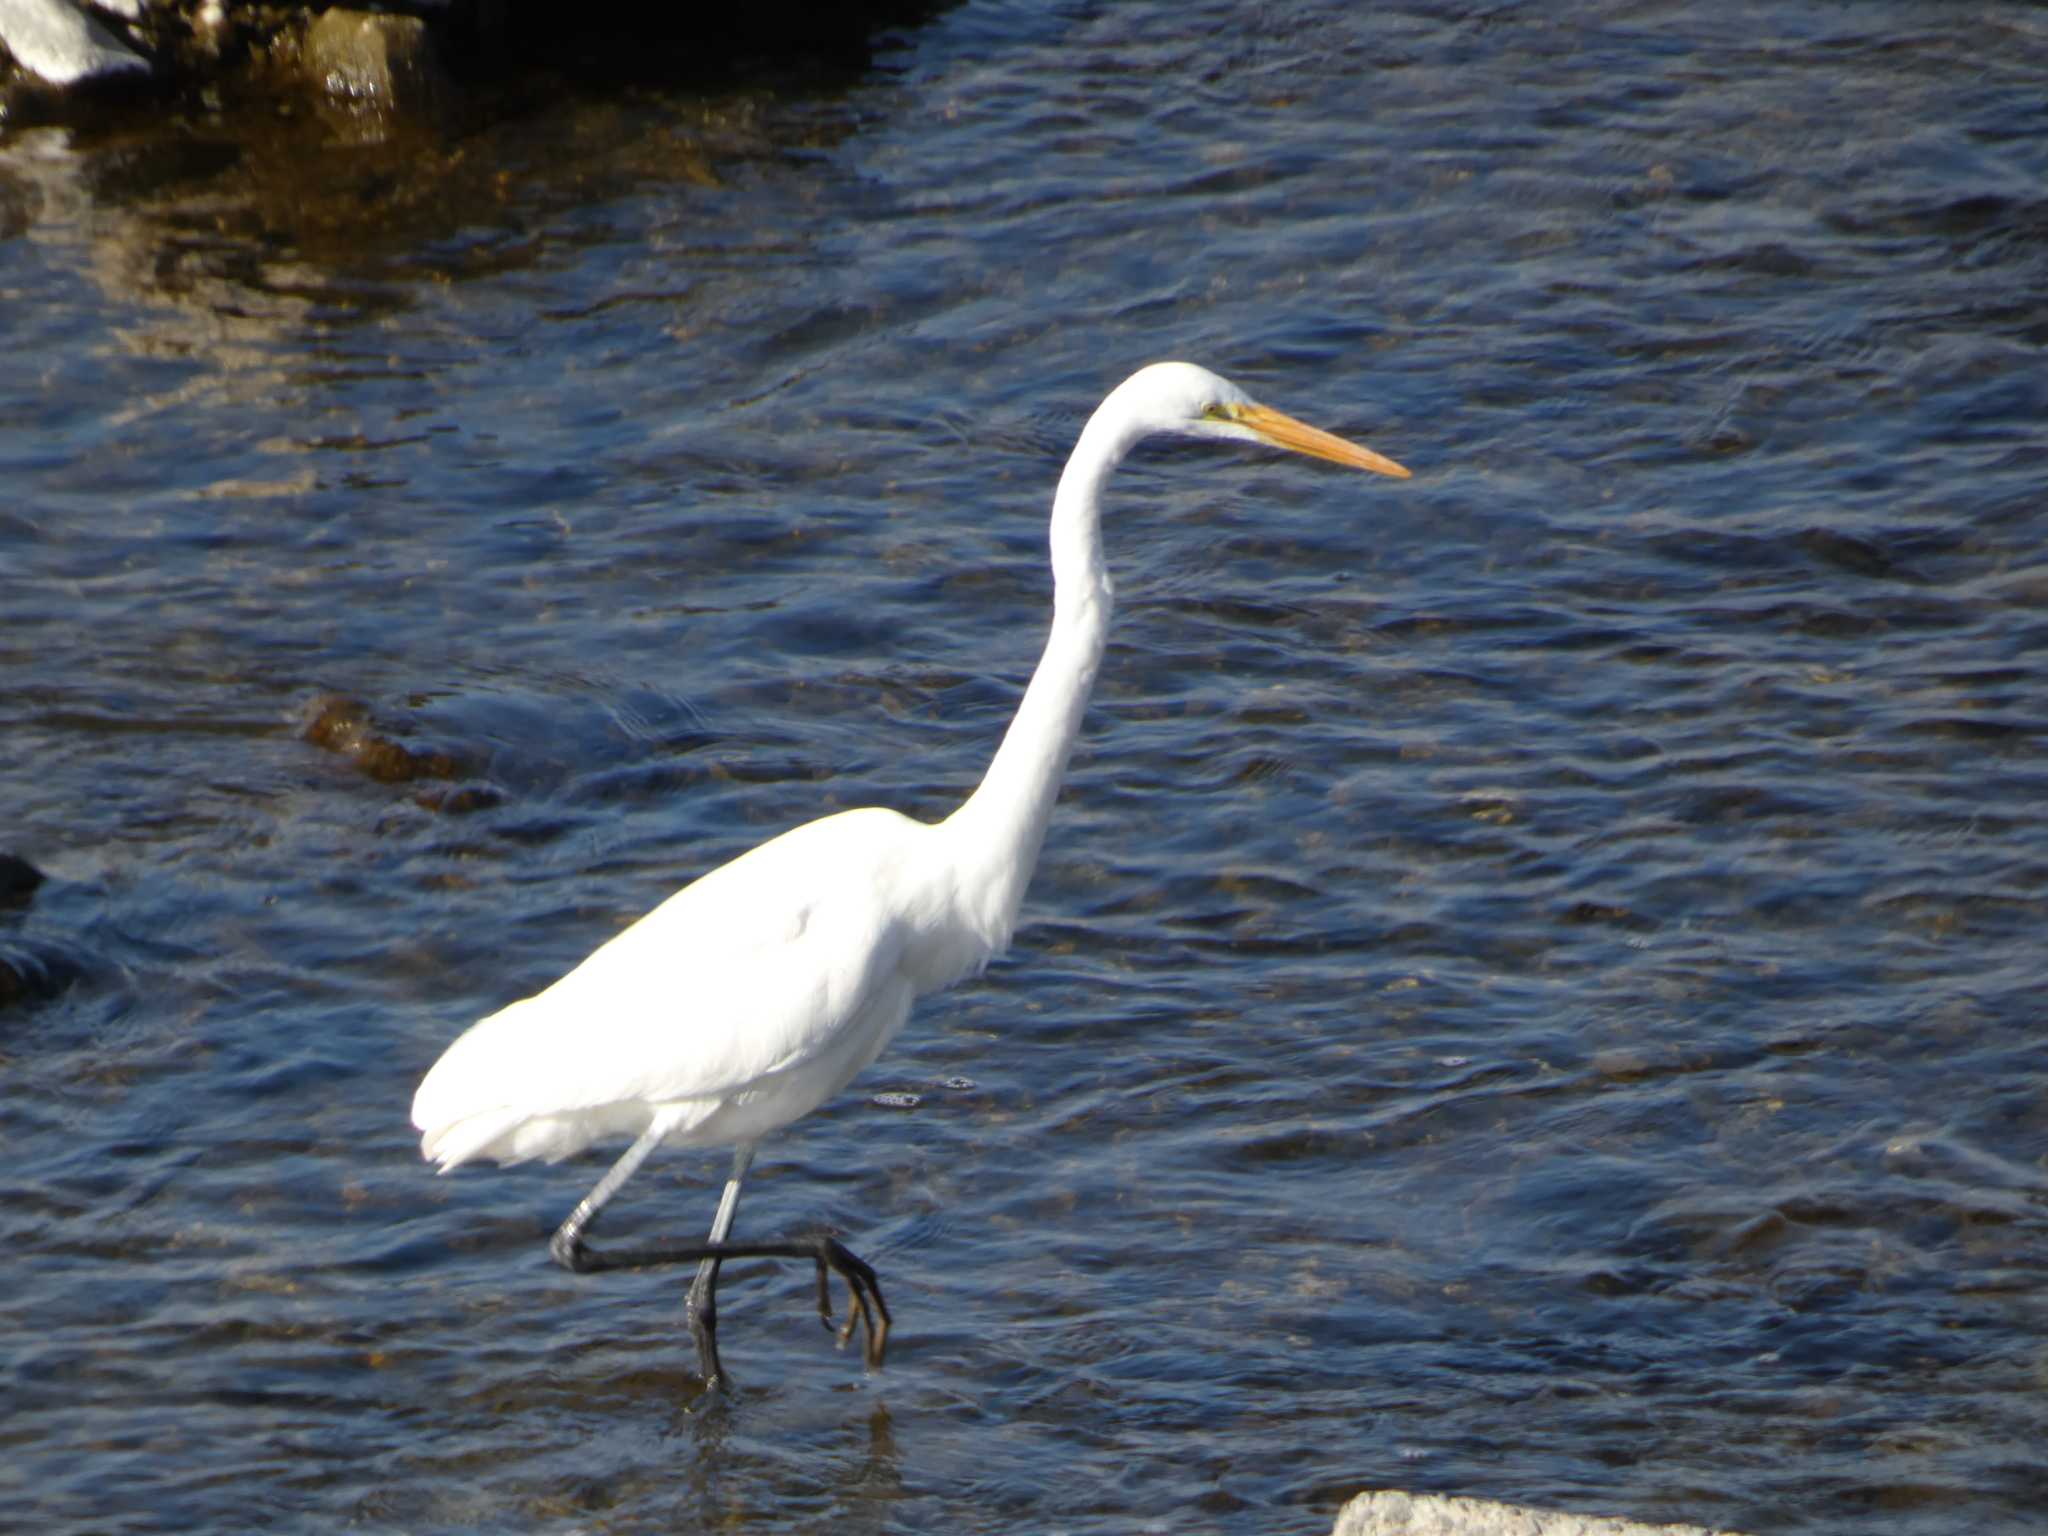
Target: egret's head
1189,401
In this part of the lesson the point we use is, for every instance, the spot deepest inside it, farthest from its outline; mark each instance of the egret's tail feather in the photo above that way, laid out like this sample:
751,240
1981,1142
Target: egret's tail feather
493,1133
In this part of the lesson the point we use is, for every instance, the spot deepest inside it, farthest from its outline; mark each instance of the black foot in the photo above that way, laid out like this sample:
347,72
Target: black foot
566,1249
861,1288
703,1317
865,1307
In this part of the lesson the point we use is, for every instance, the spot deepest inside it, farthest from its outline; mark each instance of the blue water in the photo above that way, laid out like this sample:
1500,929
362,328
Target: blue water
1535,987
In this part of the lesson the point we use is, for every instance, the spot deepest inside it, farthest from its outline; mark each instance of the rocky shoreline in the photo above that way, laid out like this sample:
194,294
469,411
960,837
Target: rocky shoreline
61,57
64,53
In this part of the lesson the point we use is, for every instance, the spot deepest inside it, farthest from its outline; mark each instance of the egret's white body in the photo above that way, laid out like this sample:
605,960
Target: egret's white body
757,992
740,1003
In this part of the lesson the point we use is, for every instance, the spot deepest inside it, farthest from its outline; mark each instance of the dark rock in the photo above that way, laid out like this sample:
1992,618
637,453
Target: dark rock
32,976
18,880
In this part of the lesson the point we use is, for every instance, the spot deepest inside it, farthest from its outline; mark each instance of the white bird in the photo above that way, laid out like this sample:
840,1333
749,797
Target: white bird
760,990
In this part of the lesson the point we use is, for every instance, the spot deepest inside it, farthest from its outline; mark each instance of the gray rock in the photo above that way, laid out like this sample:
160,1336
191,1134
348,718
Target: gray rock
55,41
1385,1512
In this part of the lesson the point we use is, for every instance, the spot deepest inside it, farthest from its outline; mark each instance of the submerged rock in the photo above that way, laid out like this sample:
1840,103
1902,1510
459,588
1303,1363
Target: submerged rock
18,880
461,801
34,976
374,61
342,725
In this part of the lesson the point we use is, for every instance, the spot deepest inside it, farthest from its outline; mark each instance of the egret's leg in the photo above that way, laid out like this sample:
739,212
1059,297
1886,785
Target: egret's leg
865,1307
566,1246
701,1306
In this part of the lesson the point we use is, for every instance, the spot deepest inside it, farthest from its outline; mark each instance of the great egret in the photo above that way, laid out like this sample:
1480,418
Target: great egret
757,992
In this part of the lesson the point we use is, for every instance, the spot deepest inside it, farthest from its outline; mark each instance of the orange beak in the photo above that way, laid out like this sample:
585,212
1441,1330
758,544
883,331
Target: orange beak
1283,431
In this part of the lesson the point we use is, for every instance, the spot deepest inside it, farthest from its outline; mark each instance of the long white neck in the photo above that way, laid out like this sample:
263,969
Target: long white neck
995,837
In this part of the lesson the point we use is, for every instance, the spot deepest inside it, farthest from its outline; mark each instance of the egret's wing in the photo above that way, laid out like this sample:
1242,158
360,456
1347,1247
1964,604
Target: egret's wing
751,971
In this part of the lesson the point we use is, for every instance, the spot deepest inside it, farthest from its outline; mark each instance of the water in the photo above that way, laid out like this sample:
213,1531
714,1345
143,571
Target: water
1534,989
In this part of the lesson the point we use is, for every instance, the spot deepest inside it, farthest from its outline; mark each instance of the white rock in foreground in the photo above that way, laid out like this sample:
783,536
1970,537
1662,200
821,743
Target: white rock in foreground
57,42
1387,1513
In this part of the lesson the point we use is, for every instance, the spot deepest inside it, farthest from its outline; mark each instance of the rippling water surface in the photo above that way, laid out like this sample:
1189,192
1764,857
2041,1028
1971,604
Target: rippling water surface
1535,987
